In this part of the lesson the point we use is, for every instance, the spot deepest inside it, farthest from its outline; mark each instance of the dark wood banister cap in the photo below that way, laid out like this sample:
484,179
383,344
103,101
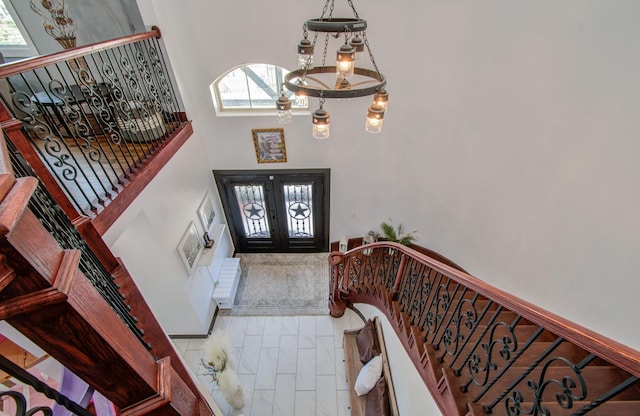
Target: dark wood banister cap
29,64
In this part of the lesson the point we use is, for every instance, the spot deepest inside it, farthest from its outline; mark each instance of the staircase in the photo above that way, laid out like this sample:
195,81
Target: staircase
479,350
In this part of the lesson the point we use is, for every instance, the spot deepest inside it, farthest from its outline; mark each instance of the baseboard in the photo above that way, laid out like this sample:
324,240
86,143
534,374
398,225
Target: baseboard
187,336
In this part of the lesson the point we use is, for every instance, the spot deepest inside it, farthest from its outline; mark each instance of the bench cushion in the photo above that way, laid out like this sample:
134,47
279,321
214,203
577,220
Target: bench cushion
366,340
378,400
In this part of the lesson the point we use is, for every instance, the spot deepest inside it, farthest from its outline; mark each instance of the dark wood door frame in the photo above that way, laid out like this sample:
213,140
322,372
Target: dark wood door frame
323,228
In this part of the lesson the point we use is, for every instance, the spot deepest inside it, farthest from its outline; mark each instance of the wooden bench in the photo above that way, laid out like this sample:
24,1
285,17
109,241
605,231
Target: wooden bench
353,365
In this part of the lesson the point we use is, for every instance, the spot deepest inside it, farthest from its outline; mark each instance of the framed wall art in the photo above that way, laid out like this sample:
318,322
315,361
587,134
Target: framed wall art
190,247
269,145
206,212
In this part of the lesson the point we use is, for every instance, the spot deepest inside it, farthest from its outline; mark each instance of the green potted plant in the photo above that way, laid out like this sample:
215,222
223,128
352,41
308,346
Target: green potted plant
397,235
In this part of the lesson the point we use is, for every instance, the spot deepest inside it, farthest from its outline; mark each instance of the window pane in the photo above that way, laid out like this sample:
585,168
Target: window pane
9,33
233,90
298,200
251,203
264,82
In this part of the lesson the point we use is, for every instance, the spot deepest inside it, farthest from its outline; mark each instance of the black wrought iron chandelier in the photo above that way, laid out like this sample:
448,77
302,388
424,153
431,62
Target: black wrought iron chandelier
351,80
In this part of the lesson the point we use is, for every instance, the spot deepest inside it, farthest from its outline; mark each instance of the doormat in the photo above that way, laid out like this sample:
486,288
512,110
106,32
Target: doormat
282,284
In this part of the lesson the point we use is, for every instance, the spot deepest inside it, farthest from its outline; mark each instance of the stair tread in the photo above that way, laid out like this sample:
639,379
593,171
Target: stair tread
610,408
598,379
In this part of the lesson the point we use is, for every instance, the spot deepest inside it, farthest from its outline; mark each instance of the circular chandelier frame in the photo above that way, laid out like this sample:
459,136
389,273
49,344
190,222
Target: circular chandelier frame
336,25
349,91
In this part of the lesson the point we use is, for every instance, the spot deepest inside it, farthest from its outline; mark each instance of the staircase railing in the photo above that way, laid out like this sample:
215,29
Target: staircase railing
88,119
481,350
69,300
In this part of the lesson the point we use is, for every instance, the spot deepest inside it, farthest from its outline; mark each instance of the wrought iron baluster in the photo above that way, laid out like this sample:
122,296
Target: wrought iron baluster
444,304
472,325
428,316
78,125
508,344
141,94
151,99
355,263
407,287
486,329
167,85
368,278
452,317
524,374
393,266
155,82
449,336
99,97
27,378
47,143
415,310
425,293
120,104
573,388
61,228
508,365
608,395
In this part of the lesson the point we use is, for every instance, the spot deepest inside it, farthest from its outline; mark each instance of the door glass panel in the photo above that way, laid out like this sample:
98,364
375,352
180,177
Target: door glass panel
251,203
298,201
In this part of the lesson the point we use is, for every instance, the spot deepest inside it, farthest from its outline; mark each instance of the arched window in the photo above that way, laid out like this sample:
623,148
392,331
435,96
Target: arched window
252,89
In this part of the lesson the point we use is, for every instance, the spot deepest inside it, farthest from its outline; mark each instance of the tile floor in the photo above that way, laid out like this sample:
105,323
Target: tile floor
287,365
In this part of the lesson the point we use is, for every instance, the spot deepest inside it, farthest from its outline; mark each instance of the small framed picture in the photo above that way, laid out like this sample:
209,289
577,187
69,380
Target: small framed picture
206,212
269,144
190,247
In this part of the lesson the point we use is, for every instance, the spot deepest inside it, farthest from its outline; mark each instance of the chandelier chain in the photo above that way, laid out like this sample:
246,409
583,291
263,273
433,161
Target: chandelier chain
326,45
355,13
373,61
326,6
331,9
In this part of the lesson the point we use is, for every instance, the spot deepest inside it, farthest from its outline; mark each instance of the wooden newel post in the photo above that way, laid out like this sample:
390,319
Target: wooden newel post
337,306
396,285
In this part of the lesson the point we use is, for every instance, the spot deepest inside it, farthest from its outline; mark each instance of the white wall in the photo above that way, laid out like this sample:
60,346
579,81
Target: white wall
147,234
510,142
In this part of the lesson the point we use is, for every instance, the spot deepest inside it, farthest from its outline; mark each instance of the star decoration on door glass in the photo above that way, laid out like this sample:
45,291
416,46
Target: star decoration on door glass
300,211
254,211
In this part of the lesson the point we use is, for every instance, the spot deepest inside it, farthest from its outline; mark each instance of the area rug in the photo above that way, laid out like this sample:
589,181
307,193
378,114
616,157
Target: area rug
282,284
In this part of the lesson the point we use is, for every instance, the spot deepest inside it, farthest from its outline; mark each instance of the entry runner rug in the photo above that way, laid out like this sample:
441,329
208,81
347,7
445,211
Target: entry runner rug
282,284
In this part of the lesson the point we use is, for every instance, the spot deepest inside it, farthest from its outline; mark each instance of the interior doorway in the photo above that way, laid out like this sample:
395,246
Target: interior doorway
276,211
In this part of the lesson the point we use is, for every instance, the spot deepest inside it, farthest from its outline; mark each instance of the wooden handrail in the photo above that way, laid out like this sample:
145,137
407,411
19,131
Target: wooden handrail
615,352
15,68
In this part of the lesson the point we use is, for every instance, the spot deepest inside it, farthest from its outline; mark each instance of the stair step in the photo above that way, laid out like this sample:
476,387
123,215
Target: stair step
610,408
598,379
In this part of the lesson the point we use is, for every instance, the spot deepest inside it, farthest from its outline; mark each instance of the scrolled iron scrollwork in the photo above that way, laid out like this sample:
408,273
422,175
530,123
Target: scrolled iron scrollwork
465,317
21,404
355,263
573,388
480,367
408,288
439,306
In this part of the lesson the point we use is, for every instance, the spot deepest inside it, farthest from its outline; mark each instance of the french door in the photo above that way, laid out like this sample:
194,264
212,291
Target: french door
279,211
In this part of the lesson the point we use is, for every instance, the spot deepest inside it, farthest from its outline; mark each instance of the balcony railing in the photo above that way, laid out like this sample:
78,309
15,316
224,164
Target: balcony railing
92,116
